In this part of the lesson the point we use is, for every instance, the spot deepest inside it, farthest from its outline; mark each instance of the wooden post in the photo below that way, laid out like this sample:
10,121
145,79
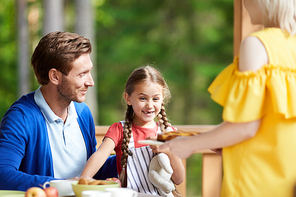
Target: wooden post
211,175
242,25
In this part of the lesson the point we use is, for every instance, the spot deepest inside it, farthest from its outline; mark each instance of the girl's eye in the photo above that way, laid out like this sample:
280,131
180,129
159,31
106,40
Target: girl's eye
142,98
155,99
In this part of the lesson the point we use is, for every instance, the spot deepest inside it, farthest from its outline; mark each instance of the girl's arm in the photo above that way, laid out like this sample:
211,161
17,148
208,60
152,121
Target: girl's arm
97,159
225,134
178,168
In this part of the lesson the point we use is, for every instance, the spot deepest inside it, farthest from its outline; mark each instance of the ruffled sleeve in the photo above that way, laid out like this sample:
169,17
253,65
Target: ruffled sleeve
248,96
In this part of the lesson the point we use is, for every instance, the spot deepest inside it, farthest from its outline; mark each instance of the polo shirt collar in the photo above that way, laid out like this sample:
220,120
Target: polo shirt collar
48,113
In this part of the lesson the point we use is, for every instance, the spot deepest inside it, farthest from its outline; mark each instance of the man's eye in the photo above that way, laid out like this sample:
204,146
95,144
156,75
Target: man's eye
82,75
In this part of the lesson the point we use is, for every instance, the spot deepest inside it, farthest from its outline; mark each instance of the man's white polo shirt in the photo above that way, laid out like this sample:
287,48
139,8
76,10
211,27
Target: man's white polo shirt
66,140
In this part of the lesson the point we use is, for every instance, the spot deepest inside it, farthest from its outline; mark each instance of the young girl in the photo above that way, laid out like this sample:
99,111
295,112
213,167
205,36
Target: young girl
257,91
145,94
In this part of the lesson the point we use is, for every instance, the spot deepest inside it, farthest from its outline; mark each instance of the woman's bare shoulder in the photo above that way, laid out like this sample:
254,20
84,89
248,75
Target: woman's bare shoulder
253,54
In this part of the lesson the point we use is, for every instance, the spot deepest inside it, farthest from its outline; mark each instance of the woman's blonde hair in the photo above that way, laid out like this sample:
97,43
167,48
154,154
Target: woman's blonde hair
279,12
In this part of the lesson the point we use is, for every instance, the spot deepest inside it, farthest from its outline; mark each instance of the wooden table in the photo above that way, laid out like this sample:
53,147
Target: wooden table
145,195
139,195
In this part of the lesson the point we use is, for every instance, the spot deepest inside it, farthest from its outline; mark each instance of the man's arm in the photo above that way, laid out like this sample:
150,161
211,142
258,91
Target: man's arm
24,151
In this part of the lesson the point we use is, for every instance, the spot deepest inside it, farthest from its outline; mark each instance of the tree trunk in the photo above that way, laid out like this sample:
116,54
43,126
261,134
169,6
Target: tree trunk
23,48
85,26
53,16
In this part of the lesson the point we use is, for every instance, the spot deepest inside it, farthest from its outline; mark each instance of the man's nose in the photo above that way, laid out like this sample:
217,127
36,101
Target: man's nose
90,82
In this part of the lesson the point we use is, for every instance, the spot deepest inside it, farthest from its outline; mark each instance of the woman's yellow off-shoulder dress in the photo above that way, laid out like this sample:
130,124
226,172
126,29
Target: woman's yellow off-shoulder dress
264,166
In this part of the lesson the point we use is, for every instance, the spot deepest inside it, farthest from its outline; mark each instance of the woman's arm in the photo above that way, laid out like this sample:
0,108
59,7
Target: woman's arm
97,159
225,134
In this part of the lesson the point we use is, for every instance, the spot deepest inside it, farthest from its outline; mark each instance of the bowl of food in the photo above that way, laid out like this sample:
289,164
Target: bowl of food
93,185
11,193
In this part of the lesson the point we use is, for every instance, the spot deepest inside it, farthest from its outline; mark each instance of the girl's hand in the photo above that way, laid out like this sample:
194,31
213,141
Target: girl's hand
151,138
74,179
86,178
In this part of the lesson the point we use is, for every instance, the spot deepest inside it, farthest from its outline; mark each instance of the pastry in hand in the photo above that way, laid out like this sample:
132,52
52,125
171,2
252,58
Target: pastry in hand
169,135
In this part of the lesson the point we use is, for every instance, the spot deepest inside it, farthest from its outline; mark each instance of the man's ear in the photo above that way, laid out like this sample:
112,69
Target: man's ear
127,98
54,76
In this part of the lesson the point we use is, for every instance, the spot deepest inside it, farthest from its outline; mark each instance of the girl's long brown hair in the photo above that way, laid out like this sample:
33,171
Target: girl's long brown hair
141,75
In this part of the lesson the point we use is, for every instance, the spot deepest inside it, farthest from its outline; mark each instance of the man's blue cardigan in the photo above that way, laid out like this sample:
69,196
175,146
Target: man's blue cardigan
25,153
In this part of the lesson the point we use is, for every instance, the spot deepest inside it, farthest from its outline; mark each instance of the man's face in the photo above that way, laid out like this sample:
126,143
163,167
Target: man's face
74,86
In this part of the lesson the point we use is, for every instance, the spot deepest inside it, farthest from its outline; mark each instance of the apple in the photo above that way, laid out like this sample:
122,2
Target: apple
115,180
51,192
35,192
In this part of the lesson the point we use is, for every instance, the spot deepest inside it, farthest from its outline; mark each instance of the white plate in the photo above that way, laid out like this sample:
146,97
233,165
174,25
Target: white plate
150,142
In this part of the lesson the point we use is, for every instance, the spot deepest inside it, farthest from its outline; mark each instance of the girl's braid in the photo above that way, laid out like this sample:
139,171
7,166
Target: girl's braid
127,131
162,118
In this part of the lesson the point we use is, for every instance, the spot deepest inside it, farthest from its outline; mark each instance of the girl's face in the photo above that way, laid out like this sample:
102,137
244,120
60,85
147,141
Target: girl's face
254,11
146,101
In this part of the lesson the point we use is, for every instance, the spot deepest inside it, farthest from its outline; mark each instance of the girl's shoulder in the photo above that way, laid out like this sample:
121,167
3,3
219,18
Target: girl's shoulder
117,126
115,132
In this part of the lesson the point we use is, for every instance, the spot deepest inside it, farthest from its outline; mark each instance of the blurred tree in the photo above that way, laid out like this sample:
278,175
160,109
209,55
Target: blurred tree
23,48
189,41
8,55
85,26
53,16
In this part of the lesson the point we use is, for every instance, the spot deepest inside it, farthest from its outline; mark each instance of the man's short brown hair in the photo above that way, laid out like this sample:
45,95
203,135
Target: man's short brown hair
58,50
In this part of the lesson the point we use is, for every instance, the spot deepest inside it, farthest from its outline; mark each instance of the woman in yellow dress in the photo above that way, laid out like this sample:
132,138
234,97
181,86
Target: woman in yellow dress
258,95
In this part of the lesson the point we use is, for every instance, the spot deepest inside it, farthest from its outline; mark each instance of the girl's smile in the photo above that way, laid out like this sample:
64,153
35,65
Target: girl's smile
146,101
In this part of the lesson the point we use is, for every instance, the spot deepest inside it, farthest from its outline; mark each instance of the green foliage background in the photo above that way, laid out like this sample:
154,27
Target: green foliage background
190,42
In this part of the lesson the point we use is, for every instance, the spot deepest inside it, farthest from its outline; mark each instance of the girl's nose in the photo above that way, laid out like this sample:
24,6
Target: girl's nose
149,104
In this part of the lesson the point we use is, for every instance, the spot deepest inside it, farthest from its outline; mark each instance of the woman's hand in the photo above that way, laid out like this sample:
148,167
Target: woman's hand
155,149
177,147
218,151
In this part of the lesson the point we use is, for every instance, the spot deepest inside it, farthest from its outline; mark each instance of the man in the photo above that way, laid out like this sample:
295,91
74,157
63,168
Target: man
50,133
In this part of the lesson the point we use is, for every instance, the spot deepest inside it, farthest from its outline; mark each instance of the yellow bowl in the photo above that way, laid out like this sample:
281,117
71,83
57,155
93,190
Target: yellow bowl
78,188
11,193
